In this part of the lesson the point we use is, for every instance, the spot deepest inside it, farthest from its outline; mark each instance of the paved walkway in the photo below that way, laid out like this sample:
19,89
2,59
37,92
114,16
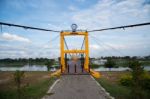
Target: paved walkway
74,68
76,87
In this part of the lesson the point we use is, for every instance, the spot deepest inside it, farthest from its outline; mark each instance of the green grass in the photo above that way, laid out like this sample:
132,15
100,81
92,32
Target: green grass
20,64
115,90
13,64
36,91
145,63
118,91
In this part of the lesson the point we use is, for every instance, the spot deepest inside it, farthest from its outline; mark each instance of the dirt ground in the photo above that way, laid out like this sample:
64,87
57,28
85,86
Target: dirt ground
114,76
33,77
7,80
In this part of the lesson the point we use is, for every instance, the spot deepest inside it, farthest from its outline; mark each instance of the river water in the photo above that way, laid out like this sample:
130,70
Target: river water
44,68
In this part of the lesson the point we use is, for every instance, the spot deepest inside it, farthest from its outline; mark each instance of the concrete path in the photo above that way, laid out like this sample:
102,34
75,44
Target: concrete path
76,87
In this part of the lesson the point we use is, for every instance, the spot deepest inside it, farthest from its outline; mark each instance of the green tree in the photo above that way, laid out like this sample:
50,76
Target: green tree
137,76
49,64
109,64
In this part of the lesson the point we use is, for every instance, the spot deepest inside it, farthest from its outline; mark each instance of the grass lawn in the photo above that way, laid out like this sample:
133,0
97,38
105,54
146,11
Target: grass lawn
35,85
110,81
117,91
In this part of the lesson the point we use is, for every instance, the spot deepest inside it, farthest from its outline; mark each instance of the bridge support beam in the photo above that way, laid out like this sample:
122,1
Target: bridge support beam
86,64
63,51
85,51
62,58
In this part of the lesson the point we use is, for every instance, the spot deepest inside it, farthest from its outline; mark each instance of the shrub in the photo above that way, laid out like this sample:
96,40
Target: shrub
95,66
146,80
126,80
18,78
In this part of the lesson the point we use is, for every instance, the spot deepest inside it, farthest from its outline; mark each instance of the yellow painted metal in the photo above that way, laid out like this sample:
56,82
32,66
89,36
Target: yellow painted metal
74,33
86,64
84,51
56,73
63,51
95,73
74,51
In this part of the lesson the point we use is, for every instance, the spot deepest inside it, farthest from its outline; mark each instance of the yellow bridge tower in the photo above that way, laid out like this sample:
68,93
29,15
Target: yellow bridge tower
84,51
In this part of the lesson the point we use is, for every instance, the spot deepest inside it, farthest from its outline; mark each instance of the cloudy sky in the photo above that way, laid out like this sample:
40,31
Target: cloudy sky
87,14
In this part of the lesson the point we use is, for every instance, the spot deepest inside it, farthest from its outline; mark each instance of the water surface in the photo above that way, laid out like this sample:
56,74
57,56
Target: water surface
44,68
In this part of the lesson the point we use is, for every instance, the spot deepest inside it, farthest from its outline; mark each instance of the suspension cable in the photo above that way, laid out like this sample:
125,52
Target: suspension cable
120,27
107,45
100,45
104,29
52,40
27,27
82,43
82,46
67,46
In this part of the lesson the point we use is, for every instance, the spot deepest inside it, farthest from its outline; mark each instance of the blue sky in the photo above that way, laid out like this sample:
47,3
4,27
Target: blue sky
87,14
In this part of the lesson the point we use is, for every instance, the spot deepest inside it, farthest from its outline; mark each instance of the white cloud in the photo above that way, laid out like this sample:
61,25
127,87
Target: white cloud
14,37
94,47
10,47
109,13
13,54
105,13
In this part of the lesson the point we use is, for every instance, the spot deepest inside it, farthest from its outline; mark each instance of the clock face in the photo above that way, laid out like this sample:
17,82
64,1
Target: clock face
74,27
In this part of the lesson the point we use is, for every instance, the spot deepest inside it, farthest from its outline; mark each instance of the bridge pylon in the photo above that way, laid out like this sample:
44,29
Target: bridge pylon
84,52
64,51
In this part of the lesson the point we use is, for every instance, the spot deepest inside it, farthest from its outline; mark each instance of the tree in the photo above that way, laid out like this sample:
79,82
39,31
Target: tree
49,64
109,64
137,73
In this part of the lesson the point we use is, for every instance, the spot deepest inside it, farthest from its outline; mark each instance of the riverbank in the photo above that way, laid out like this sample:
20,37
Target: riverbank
120,62
35,85
8,62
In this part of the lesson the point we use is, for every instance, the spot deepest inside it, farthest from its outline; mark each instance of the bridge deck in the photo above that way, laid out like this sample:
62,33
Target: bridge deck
74,68
77,87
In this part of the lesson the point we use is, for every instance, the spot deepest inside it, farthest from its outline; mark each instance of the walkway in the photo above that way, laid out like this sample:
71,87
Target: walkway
74,68
77,87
